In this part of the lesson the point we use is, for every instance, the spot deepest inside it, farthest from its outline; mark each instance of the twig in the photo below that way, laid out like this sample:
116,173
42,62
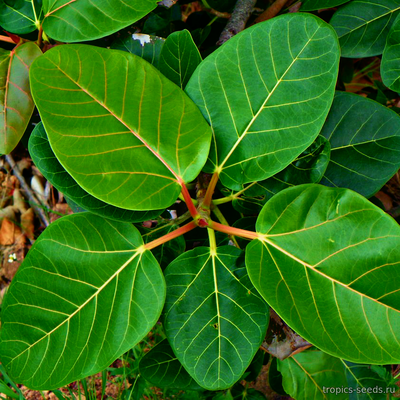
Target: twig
271,11
240,15
31,196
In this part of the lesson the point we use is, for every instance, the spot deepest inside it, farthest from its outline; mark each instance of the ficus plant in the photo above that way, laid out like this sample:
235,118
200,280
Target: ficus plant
130,131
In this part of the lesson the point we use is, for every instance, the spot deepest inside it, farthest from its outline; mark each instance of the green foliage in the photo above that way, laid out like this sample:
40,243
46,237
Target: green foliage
132,126
363,25
16,105
266,100
363,157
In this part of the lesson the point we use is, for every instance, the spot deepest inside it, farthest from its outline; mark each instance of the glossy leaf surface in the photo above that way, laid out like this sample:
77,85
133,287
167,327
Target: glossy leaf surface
44,158
266,93
313,5
310,374
20,16
370,382
365,144
214,319
327,262
161,367
363,25
390,65
16,104
146,46
179,58
80,20
124,132
71,315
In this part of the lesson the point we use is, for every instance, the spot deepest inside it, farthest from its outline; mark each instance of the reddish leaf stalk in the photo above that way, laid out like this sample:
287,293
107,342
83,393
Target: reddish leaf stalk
172,235
40,36
230,230
210,191
6,39
189,203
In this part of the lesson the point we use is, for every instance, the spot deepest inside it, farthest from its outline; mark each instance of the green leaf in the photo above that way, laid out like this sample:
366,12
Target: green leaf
308,167
327,261
275,378
16,104
146,46
161,368
213,318
179,58
366,382
168,251
313,5
45,160
313,374
363,25
131,138
254,369
365,144
266,93
390,65
77,21
20,16
71,315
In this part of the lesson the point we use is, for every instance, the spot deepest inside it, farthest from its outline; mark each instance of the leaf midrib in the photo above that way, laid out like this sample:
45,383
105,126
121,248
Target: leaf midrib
368,22
220,167
94,295
312,267
179,180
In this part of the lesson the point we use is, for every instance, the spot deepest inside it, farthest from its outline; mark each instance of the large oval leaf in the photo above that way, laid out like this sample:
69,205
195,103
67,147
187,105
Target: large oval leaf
213,318
179,58
266,93
80,20
71,315
363,25
328,262
44,158
390,66
365,144
313,374
16,104
161,367
123,131
20,16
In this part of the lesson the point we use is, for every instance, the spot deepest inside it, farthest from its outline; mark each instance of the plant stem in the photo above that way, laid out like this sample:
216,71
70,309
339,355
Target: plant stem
189,203
6,39
221,218
40,36
271,11
210,191
232,196
240,15
213,242
230,230
169,236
